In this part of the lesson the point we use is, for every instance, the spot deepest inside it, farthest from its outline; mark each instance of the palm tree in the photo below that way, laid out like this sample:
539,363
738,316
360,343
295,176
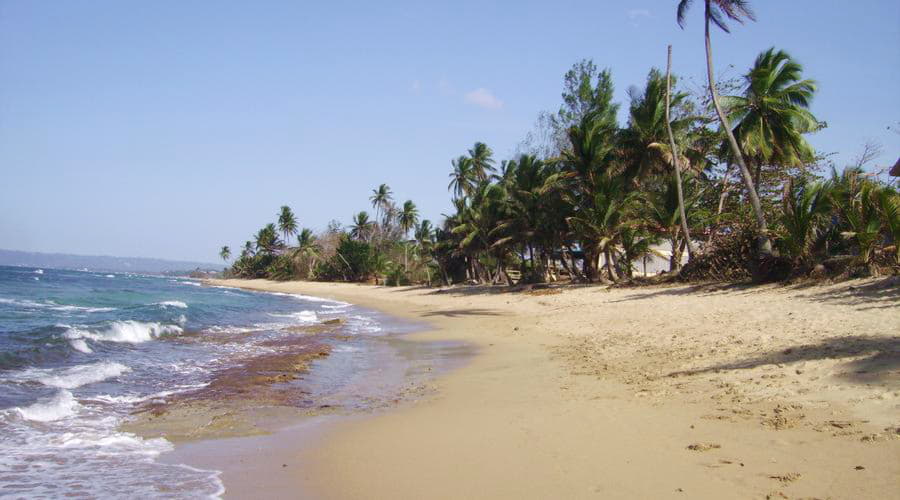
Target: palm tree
287,223
674,151
267,240
380,198
482,160
362,226
473,222
804,212
602,221
409,217
463,179
247,251
662,210
308,248
773,113
646,148
718,12
528,218
636,244
225,253
593,139
863,221
587,165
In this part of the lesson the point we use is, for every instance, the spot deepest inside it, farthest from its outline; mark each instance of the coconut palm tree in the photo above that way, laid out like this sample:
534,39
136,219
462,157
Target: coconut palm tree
380,198
662,211
862,219
593,139
408,218
225,253
772,115
463,179
803,216
287,223
527,220
247,251
473,222
718,12
361,229
674,152
649,139
267,240
601,221
644,140
637,243
482,161
307,249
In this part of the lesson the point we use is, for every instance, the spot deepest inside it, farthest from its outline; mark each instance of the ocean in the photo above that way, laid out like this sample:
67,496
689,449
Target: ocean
81,352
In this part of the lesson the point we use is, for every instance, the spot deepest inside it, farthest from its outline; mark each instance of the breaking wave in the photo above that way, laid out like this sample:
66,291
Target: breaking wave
172,303
60,406
130,331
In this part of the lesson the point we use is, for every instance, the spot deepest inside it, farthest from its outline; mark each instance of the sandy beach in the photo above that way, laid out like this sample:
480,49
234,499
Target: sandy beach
590,392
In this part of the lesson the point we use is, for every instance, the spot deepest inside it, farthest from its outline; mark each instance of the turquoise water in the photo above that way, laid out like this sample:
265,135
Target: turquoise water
80,350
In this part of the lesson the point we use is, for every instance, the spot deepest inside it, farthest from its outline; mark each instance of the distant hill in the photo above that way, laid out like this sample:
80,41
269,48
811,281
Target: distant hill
102,262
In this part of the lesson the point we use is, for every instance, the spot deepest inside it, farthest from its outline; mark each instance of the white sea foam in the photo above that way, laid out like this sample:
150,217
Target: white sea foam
302,316
191,283
132,399
38,271
57,307
89,455
172,303
110,275
310,298
129,331
81,346
363,324
336,306
53,306
36,278
60,406
80,375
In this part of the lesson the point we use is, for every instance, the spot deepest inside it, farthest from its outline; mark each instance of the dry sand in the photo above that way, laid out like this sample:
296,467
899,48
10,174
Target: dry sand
663,392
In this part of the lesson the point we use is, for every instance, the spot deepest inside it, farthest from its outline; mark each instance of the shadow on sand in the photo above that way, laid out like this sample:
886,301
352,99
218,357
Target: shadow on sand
882,358
699,290
879,294
458,313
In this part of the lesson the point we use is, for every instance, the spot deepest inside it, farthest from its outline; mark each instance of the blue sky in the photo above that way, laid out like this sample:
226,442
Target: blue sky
169,128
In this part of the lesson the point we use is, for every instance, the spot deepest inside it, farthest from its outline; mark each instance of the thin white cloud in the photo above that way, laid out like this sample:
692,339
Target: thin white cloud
484,98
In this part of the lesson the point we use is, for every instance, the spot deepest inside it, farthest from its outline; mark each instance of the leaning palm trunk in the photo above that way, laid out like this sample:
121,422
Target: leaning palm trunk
765,245
675,162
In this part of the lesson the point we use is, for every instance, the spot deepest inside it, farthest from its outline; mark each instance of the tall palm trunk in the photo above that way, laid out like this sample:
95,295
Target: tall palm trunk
765,245
675,161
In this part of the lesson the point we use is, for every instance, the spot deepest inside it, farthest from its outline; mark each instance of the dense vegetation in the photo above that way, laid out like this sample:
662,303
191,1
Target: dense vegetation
730,180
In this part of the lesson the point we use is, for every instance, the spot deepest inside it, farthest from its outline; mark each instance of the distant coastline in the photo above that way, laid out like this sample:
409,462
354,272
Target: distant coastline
19,258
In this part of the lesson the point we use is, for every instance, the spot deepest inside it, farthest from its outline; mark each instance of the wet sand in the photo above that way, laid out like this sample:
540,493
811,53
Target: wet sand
674,392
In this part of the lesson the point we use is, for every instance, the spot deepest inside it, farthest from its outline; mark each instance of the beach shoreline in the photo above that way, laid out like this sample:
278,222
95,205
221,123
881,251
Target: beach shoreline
699,392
